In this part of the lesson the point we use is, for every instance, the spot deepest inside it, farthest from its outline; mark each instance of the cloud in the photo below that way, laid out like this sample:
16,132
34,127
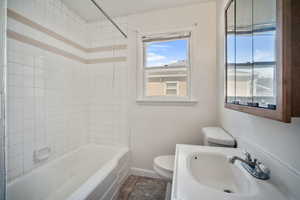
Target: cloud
159,46
155,57
263,55
174,61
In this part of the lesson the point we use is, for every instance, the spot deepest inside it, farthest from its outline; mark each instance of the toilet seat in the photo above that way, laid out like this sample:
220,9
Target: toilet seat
164,166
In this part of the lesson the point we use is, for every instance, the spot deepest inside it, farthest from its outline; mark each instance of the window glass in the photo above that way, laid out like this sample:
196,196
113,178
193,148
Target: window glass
170,53
166,66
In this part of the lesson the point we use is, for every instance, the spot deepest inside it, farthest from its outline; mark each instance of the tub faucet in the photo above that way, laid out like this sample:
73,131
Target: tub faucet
254,167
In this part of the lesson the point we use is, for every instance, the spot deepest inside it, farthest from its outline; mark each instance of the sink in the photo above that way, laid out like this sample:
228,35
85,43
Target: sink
214,171
204,172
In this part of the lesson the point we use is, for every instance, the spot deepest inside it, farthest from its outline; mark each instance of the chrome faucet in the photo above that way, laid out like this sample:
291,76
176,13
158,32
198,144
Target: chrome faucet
254,167
246,161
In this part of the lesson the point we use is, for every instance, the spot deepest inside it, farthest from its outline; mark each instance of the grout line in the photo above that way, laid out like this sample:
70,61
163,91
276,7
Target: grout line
24,20
27,40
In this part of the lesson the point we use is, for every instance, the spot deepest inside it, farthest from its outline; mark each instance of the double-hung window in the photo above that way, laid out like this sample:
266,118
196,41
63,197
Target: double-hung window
166,66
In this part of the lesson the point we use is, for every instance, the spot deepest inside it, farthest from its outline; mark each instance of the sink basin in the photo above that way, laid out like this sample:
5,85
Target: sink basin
213,170
204,172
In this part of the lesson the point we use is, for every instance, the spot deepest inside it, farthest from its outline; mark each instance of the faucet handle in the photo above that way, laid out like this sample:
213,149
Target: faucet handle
263,168
262,171
248,156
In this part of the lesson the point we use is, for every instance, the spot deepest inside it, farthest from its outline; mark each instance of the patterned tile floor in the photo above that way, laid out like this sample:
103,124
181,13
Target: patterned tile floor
142,188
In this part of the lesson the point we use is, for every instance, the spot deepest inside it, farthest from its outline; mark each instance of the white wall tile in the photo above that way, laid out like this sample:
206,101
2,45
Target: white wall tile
57,102
45,102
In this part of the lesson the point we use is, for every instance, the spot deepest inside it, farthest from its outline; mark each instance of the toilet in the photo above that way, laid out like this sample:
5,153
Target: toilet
213,136
163,166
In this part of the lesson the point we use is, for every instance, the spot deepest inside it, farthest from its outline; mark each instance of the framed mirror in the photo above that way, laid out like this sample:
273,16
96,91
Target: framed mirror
257,58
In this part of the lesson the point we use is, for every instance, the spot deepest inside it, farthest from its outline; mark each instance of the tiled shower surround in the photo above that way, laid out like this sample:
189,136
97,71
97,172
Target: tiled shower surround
57,102
44,105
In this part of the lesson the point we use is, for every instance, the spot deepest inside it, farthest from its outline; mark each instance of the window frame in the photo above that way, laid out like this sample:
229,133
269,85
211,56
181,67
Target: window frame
188,66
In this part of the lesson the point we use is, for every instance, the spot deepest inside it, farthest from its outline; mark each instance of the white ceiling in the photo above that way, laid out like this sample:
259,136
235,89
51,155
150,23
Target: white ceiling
115,8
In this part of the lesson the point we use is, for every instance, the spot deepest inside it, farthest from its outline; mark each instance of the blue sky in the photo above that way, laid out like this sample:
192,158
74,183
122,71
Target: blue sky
167,52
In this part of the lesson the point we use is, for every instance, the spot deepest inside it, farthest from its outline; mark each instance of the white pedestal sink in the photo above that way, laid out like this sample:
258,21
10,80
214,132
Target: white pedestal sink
204,173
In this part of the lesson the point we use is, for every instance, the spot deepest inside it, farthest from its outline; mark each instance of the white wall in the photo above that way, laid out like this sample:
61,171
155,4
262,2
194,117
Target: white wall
275,142
156,129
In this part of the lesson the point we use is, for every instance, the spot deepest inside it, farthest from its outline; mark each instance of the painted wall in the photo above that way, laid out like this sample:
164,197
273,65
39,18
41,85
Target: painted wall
274,142
157,128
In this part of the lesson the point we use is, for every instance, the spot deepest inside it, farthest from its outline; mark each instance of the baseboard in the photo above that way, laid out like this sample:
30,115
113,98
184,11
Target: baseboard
168,191
121,182
143,172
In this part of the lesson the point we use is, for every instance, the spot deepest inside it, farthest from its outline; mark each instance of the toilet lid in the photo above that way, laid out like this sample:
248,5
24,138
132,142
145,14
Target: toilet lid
165,162
217,135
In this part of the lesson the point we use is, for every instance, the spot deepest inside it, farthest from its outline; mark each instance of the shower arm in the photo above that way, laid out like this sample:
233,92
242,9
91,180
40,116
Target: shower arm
108,17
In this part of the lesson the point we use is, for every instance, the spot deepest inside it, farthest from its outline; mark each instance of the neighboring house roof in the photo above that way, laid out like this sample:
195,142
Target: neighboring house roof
177,69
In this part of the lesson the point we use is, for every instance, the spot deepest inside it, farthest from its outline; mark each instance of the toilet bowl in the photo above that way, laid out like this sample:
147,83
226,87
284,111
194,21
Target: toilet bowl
163,166
213,136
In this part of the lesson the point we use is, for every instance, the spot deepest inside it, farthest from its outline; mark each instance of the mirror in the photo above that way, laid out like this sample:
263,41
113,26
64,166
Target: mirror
244,47
251,53
264,52
230,52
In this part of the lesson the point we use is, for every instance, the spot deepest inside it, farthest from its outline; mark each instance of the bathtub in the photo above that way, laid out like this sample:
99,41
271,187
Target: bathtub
92,172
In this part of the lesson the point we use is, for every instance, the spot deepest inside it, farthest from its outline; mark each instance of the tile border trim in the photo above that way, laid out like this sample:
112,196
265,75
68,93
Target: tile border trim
26,21
27,40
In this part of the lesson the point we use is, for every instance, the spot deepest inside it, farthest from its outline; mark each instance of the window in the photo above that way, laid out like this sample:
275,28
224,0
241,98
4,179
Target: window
166,68
171,88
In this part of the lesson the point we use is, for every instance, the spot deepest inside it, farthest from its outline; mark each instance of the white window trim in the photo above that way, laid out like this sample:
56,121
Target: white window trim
141,97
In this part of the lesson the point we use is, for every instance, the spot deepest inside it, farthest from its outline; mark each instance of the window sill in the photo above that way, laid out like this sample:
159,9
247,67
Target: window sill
167,101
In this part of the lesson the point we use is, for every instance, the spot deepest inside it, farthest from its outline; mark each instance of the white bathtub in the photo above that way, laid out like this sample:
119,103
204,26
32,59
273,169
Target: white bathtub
92,172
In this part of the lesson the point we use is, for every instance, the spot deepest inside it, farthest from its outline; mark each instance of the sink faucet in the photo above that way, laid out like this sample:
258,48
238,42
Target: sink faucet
254,167
246,161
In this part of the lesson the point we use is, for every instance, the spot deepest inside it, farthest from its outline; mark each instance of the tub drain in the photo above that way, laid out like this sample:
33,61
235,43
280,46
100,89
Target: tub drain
228,191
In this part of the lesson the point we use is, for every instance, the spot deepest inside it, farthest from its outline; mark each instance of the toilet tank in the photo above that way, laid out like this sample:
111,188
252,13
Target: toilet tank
218,137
